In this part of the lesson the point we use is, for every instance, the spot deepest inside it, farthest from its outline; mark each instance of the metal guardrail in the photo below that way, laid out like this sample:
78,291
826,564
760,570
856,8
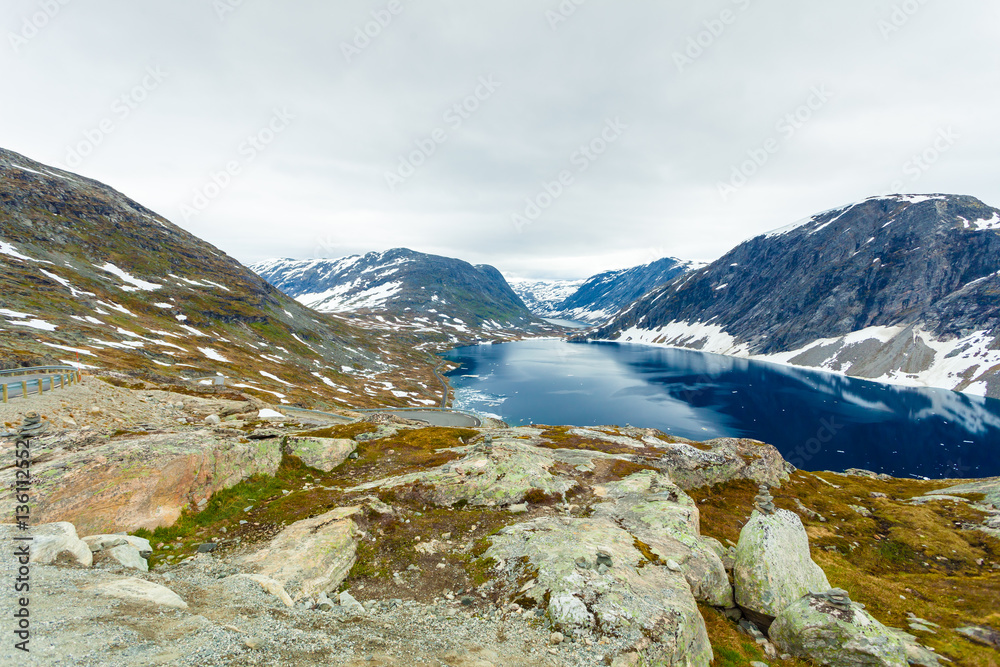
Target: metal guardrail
66,376
36,369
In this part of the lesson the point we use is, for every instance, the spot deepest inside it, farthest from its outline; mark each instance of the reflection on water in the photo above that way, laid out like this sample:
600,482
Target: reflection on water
818,420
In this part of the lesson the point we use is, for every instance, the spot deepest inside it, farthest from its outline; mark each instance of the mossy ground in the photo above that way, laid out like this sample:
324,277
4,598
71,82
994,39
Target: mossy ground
904,558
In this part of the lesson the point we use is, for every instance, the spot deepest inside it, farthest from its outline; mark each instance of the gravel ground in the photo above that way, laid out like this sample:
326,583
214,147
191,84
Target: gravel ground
234,622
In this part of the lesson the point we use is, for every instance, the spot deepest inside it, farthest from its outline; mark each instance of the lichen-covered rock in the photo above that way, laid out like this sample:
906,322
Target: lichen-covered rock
311,556
814,629
665,520
321,453
498,477
647,604
49,542
773,566
141,482
725,459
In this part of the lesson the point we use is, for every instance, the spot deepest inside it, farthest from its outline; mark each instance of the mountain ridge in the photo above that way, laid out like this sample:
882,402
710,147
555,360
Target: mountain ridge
900,288
419,291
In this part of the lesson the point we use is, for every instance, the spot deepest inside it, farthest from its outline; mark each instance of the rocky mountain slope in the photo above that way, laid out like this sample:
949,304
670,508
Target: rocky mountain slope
91,278
901,288
597,298
425,291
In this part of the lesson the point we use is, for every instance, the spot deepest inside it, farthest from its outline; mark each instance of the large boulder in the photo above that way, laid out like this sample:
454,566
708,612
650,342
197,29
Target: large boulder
141,482
773,566
140,590
665,520
49,542
814,629
126,550
693,465
311,556
588,573
321,453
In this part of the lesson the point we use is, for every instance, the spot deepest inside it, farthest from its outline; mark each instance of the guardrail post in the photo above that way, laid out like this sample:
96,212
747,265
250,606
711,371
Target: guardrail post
5,397
24,389
41,386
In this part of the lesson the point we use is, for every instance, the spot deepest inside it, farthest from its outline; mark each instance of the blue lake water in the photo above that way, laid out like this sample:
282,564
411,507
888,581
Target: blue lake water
819,421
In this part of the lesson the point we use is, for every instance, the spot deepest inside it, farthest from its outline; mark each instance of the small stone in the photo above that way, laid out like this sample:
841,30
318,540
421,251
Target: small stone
251,642
604,558
877,494
672,565
556,638
583,563
918,627
212,420
207,547
350,605
519,508
758,663
981,635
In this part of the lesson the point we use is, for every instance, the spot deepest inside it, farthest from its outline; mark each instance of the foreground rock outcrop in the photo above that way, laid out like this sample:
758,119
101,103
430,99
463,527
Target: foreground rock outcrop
773,565
846,636
311,556
106,486
635,569
321,453
538,545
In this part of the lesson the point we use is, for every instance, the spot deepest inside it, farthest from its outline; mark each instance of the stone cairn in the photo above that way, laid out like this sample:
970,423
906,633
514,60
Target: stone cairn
837,598
30,428
763,502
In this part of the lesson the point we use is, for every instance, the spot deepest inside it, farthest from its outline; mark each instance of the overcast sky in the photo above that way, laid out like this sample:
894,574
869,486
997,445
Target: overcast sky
589,134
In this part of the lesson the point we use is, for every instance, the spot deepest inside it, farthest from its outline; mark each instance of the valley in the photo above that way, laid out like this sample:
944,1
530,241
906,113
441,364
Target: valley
244,474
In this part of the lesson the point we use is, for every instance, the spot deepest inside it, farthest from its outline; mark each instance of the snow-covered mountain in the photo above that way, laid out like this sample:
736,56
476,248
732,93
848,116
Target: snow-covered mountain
597,298
900,288
425,290
542,297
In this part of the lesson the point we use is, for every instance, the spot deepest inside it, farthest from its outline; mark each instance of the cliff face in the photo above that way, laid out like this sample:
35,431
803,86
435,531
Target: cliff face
91,276
903,288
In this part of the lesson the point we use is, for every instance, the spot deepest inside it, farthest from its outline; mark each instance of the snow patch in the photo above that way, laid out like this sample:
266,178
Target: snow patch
132,280
212,354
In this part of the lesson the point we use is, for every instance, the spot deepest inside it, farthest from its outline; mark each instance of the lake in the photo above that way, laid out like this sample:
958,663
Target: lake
819,421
